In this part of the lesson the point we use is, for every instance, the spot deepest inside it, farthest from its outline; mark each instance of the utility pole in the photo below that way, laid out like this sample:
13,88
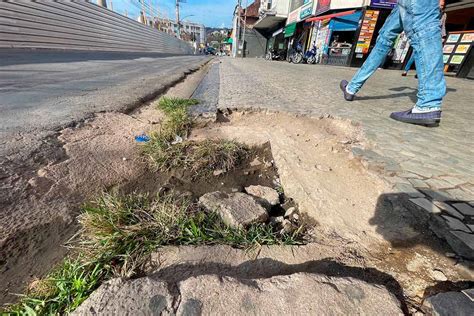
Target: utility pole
245,27
237,31
102,3
177,19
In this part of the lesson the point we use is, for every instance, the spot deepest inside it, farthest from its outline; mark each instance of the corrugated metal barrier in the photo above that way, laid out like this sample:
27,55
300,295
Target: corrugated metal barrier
80,25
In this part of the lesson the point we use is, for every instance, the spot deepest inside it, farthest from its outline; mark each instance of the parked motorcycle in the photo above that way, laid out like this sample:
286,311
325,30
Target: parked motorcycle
310,56
274,54
296,55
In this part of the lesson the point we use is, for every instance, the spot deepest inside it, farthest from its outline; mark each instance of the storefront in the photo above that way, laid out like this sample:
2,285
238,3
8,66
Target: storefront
458,50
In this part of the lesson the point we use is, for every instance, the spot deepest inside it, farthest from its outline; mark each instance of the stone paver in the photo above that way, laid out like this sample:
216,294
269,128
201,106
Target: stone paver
235,209
432,163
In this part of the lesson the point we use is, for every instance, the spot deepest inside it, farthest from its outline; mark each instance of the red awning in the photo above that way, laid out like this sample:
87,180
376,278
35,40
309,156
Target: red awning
330,16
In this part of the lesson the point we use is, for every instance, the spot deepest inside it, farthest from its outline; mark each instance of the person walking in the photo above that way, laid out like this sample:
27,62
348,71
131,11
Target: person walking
409,64
420,20
412,57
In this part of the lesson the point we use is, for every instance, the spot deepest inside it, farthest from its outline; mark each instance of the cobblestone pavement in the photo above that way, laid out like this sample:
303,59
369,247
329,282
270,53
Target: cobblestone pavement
434,166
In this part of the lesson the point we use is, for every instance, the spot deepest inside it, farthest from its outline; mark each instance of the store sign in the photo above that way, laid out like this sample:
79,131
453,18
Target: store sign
457,47
383,3
323,6
306,10
367,31
293,16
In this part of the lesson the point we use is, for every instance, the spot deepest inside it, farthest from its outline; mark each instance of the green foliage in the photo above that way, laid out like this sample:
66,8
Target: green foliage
119,233
201,158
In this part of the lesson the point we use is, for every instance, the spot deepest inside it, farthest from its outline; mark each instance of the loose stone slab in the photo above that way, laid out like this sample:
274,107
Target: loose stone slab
462,243
143,296
236,209
456,224
296,294
449,303
268,195
426,205
464,208
449,209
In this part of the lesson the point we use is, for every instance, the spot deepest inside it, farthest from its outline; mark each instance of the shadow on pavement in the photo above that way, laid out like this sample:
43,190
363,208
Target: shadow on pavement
431,221
411,93
39,56
267,268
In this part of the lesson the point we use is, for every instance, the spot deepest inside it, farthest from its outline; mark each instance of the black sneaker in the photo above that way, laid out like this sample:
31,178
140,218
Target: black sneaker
347,95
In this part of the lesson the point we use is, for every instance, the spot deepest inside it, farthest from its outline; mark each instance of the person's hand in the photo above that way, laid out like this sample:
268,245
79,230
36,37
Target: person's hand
441,4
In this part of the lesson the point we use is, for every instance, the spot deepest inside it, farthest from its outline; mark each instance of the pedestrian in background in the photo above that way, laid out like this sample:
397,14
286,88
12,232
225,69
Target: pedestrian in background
420,20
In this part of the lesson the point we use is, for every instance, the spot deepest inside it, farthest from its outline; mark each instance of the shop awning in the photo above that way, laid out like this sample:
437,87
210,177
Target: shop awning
330,16
290,29
346,23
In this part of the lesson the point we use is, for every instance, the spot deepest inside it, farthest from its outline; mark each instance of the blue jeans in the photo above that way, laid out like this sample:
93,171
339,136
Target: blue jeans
420,19
410,62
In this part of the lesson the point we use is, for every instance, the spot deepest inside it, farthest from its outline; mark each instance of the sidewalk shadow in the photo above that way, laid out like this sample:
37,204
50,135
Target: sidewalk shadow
411,93
405,224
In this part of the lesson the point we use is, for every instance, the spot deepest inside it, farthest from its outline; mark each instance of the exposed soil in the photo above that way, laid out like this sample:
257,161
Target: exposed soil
257,169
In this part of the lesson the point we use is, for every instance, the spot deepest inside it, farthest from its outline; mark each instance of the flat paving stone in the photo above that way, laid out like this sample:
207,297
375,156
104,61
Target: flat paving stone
462,243
456,224
426,205
449,209
450,303
464,208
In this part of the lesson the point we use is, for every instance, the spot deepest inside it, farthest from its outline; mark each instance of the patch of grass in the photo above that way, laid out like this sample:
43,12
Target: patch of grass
201,158
119,233
170,105
63,290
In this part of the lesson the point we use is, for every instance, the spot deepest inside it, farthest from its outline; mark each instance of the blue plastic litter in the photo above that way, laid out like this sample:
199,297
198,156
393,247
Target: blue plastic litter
142,138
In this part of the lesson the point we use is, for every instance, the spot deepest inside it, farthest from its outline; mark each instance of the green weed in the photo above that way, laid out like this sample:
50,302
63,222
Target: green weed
201,158
118,235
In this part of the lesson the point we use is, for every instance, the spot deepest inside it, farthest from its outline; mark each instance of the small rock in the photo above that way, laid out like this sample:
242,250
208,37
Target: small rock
438,275
267,195
256,162
236,209
276,220
218,172
288,227
124,159
323,168
290,212
295,216
235,190
450,255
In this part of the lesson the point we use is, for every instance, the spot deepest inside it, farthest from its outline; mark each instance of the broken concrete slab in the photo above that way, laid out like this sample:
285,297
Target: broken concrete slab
236,209
143,296
296,294
268,196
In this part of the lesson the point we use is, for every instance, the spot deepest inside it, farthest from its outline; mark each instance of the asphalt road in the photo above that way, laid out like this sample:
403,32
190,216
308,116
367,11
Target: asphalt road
43,91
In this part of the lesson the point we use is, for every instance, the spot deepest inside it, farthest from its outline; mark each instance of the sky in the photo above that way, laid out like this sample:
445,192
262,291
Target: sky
211,13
